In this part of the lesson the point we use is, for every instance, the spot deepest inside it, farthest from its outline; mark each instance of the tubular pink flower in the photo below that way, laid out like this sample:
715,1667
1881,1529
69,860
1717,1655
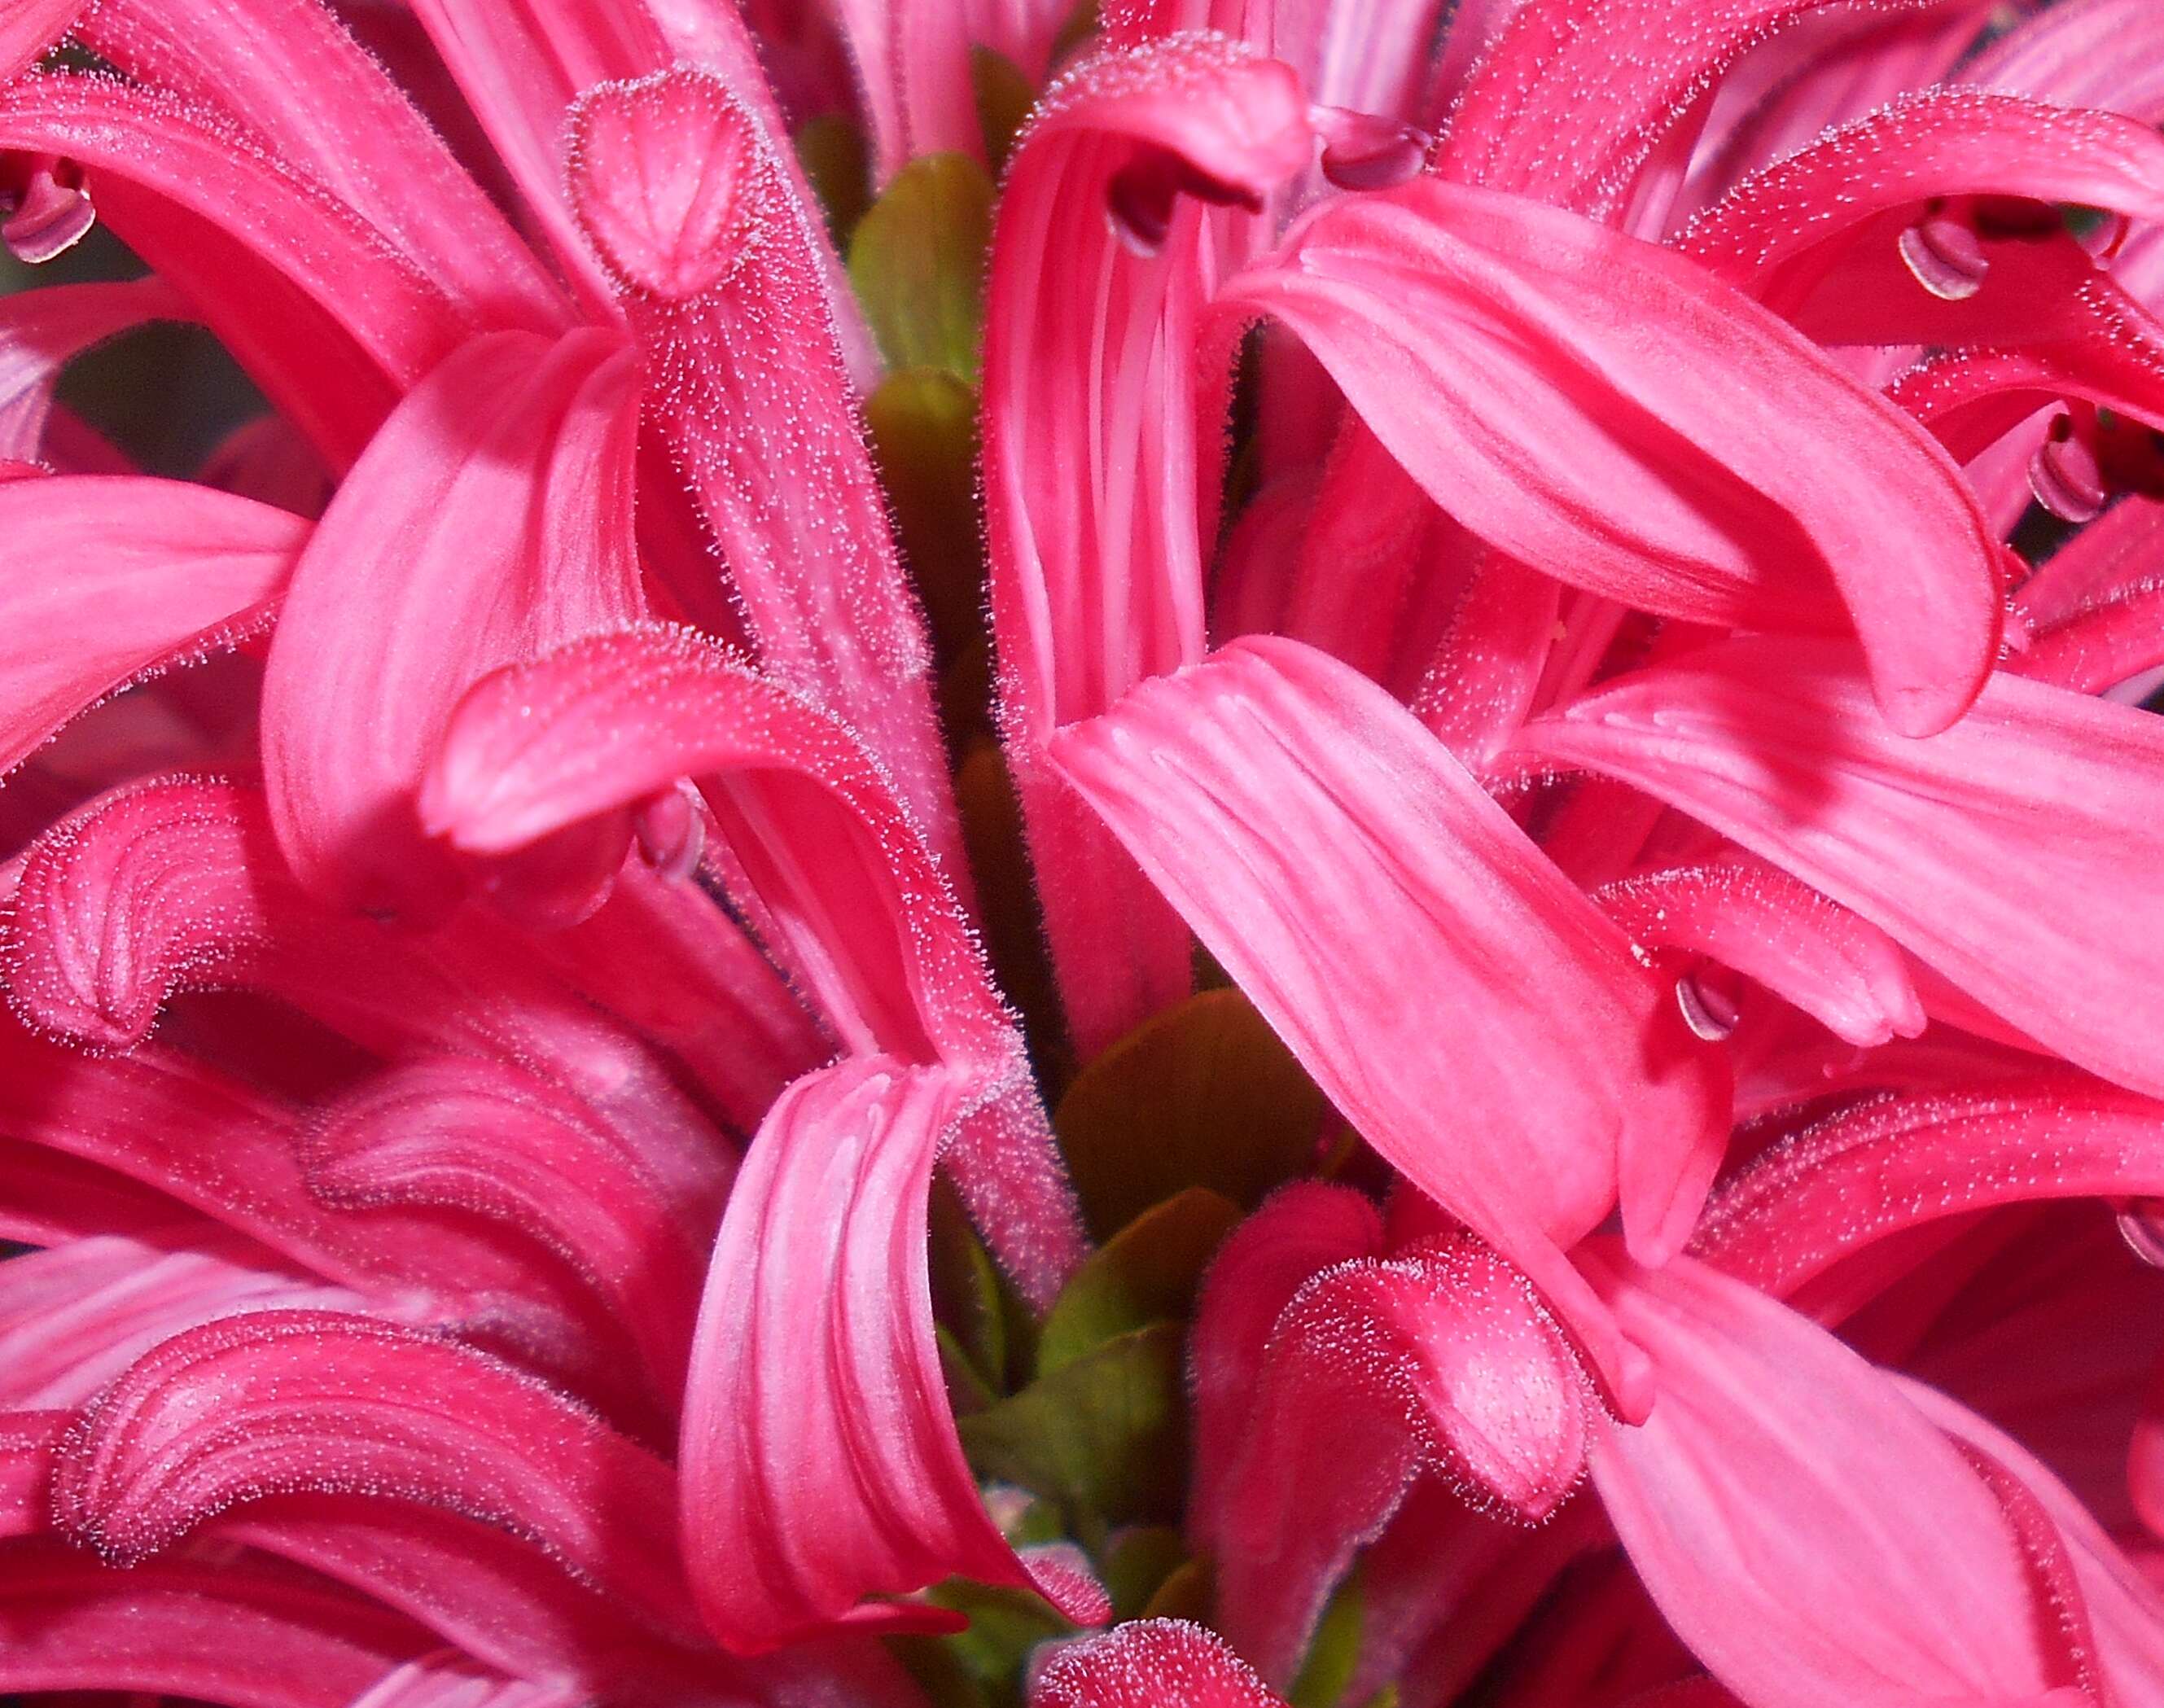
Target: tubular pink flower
1520,780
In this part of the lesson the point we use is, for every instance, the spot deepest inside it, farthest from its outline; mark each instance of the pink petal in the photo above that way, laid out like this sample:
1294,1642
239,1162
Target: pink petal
1365,892
2125,1615
158,572
820,1465
1439,1361
1573,96
834,854
2101,646
176,885
912,66
677,186
1776,233
1807,1532
284,1401
2117,554
1101,447
1536,409
490,519
356,136
27,1440
1870,1173
240,1631
2082,53
325,315
497,1142
42,330
1777,745
1304,1229
661,954
1763,922
28,27
1146,1665
73,1318
432,1684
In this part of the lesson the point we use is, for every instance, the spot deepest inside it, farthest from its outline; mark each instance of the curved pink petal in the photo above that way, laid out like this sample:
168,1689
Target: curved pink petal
912,66
356,136
157,572
245,1631
2120,551
490,519
2104,54
1573,96
1813,1538
431,1683
2125,1614
284,1401
326,317
491,1594
677,184
663,955
28,27
820,1461
835,855
1148,1663
497,1141
1777,232
1539,407
1777,745
2102,645
1102,442
27,1441
177,884
42,330
1368,896
74,1318
1439,1361
1763,922
1870,1173
1304,1229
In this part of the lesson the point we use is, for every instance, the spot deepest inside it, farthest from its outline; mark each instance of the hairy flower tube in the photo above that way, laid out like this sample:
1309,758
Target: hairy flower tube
1226,853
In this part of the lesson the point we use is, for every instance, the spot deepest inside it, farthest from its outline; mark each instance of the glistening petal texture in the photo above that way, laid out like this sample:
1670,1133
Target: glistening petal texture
1478,1021
490,519
1102,443
1777,745
820,1460
284,1401
678,187
1813,1538
1871,1172
1573,96
107,578
833,852
1439,1361
1148,1663
1556,415
28,27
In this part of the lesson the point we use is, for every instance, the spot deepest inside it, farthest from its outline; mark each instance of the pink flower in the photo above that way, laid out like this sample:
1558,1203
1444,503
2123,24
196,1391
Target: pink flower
583,1145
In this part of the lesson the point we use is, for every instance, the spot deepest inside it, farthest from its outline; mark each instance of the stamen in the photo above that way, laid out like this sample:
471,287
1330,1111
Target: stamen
2065,475
49,208
1364,151
1945,255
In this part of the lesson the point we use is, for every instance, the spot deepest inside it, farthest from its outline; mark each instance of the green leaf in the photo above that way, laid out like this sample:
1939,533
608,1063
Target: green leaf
917,261
1105,1436
1333,1654
1137,1564
923,424
1146,1273
1204,1094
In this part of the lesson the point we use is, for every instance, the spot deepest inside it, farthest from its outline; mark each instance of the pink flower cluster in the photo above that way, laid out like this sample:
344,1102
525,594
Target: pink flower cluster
1496,524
